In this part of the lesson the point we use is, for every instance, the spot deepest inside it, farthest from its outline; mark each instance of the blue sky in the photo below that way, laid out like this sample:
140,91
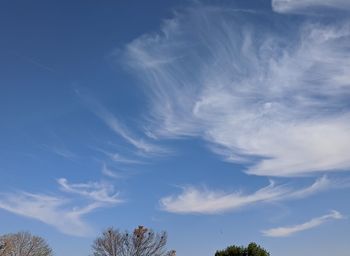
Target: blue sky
221,122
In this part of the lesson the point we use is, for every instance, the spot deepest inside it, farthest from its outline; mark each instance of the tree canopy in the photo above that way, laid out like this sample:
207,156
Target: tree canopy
23,244
251,250
142,242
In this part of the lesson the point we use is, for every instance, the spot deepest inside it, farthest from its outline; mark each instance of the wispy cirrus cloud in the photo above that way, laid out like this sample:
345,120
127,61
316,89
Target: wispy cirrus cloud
277,100
313,223
193,200
118,127
116,157
61,151
321,184
63,213
115,125
129,158
51,210
97,191
110,173
204,201
285,6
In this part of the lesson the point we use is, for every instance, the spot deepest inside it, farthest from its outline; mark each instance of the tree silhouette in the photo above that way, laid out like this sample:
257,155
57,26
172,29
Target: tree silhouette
142,242
23,244
252,250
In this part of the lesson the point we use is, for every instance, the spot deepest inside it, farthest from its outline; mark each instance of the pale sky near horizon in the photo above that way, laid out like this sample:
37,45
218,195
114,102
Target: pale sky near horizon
220,122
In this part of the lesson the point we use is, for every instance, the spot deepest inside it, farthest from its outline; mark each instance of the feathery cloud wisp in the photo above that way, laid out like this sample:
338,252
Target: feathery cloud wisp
108,172
193,200
313,223
115,125
118,127
285,6
50,210
98,192
62,213
251,91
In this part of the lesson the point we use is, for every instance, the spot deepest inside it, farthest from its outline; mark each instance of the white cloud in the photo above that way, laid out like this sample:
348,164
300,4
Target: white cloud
279,100
313,223
284,6
63,152
115,125
193,200
118,158
204,201
118,127
60,212
50,210
319,185
122,159
108,172
100,192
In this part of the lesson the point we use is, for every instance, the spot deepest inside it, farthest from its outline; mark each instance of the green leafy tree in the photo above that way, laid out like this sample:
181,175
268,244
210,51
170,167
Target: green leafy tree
252,250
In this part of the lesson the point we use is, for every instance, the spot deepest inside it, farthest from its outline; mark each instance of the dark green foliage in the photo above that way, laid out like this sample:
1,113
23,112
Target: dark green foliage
252,250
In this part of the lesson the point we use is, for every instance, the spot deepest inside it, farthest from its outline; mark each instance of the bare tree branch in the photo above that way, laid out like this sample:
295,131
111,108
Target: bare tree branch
23,244
142,242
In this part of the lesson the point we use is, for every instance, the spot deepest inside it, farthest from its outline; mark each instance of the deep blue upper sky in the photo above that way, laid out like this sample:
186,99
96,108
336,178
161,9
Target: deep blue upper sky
221,122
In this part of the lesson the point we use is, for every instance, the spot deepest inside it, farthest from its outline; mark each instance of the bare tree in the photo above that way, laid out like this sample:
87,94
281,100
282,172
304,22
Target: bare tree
23,244
142,242
109,244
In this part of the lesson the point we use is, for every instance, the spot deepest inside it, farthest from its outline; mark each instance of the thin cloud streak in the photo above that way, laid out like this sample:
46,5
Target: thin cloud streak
285,6
109,173
116,157
321,184
204,201
122,159
61,151
50,210
252,92
100,192
115,125
193,200
66,215
118,127
313,223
